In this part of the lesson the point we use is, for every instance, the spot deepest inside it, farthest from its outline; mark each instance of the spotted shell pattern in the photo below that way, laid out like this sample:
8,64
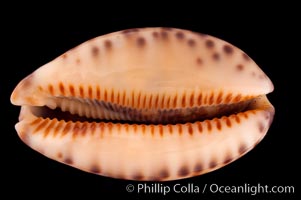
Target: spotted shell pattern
135,83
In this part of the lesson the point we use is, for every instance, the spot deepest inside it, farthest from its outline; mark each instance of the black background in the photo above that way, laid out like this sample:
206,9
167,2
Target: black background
267,37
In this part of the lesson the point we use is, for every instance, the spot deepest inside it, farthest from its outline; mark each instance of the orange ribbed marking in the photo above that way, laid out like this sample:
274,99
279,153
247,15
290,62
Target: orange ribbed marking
160,130
209,126
50,89
184,100
200,127
228,122
175,101
105,96
98,92
179,129
90,92
67,128
190,129
49,127
58,127
162,101
41,125
218,124
170,128
71,90
191,99
156,101
228,98
211,99
81,91
168,102
138,99
200,99
62,89
219,97
112,96
36,121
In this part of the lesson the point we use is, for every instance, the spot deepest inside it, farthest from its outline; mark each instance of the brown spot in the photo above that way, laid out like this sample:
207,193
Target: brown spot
198,168
137,176
228,122
209,126
218,124
130,30
199,61
183,171
245,115
242,149
200,99
97,92
77,61
50,89
95,169
163,174
212,164
216,56
261,76
164,35
239,67
228,49
253,74
180,35
108,44
200,127
191,99
95,51
209,43
246,57
261,127
81,91
71,89
191,42
141,41
228,159
190,129
90,92
179,129
64,56
59,155
68,161
161,130
155,34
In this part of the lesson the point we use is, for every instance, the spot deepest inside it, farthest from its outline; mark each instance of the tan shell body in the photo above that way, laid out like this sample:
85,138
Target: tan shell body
165,101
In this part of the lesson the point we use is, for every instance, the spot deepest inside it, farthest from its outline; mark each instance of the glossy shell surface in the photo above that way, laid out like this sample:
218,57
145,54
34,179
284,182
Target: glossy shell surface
146,104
